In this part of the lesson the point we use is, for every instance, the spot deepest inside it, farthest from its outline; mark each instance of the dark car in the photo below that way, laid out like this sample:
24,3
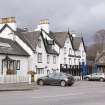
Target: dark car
61,79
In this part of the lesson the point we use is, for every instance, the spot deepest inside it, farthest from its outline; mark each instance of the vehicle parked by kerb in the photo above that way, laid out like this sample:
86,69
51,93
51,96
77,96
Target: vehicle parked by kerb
61,79
95,76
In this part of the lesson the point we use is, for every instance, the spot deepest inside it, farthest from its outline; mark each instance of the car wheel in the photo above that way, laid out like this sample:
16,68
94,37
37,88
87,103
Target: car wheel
101,80
63,83
87,79
41,82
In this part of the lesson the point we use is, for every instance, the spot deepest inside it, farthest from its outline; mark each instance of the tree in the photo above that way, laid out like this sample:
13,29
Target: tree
99,40
98,45
91,52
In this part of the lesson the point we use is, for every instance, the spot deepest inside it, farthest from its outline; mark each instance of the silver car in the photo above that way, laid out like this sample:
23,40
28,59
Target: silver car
95,76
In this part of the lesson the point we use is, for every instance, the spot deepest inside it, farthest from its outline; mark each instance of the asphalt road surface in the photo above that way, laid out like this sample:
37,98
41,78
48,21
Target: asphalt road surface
81,93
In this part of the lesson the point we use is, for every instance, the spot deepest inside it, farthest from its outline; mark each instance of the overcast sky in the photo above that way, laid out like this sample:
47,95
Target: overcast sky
86,16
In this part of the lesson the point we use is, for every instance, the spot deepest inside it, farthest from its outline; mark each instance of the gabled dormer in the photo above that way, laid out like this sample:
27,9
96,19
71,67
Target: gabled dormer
6,29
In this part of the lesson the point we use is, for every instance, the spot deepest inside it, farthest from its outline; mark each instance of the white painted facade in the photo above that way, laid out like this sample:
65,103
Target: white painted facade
32,63
67,55
47,66
82,52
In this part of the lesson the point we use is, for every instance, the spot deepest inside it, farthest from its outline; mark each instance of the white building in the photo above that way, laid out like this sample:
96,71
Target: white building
72,51
13,58
42,51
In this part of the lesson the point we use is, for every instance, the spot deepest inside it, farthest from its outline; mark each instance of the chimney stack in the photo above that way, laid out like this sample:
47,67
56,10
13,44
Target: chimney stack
11,21
45,21
44,24
7,20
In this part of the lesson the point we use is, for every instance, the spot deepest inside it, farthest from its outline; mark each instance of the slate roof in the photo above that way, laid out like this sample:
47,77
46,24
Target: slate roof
10,47
59,37
98,56
31,39
48,47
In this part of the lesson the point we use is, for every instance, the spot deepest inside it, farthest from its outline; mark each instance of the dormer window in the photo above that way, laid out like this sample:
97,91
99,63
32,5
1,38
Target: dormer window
50,42
64,60
74,61
54,59
70,62
39,43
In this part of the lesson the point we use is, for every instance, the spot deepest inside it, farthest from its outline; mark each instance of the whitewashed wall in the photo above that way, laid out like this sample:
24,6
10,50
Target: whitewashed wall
82,53
65,55
46,66
78,59
31,62
7,33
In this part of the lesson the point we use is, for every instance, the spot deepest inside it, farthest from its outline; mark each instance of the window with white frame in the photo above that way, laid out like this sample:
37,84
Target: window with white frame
40,70
39,57
64,50
18,65
39,43
74,61
70,61
64,60
70,52
54,59
48,58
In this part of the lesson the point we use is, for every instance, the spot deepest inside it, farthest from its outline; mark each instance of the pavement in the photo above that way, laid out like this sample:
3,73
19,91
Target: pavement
17,86
22,86
81,93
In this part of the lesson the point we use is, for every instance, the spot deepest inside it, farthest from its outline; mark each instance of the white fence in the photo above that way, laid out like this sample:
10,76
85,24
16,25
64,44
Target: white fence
15,79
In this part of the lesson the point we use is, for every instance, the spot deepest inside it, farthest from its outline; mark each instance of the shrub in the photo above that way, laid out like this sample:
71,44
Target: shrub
31,72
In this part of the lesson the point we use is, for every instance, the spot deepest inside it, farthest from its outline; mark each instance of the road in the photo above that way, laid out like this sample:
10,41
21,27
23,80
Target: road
81,93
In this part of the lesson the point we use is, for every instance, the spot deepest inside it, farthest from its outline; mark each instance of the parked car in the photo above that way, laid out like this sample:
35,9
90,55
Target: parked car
61,79
95,76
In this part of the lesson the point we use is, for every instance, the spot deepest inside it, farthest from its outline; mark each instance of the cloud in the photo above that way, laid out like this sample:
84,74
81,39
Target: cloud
80,15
